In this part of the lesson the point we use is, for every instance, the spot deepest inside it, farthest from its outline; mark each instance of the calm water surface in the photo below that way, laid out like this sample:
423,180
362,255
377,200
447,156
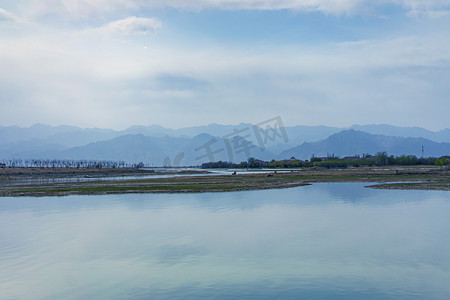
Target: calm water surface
325,241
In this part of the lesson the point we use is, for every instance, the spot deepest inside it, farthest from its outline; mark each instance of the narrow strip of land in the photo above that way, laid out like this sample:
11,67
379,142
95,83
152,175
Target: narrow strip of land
427,178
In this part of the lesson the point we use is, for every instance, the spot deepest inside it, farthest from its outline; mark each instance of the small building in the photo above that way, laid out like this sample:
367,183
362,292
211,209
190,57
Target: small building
352,157
259,161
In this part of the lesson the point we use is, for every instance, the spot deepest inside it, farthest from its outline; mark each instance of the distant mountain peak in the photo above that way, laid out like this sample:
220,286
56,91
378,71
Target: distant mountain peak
351,142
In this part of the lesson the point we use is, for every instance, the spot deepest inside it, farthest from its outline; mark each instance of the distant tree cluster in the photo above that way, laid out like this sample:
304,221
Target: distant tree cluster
250,163
65,163
443,161
291,163
380,159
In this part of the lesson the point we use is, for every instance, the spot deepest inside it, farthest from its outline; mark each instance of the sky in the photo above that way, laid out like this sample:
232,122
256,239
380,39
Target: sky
176,63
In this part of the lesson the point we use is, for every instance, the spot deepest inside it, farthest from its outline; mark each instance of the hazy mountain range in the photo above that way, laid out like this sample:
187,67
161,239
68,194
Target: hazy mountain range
352,142
158,146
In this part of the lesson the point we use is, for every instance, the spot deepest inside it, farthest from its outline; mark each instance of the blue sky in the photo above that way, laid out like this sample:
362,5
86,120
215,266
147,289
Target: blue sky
117,63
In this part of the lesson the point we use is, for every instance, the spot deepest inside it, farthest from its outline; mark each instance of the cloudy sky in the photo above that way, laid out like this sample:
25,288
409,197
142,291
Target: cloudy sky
177,63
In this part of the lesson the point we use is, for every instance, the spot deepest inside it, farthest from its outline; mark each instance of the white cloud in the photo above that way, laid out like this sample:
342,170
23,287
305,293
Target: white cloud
96,82
423,5
328,6
75,8
430,8
9,20
54,75
131,26
6,16
86,8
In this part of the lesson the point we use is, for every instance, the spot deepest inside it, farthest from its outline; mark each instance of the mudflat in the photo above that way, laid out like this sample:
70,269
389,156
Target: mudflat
423,177
23,172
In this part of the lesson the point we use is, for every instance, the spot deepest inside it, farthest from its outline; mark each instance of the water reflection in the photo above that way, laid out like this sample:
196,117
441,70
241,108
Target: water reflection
322,241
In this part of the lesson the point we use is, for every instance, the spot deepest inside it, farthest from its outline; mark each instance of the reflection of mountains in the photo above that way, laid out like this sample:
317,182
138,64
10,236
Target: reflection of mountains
346,192
358,193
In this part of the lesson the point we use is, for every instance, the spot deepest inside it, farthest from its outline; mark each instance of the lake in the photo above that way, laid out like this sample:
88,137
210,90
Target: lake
324,241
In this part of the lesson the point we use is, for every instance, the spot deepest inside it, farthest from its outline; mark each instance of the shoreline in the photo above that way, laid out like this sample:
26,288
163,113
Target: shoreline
423,178
421,186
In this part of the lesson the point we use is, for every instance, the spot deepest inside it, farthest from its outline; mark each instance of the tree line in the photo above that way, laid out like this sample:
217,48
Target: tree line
67,163
380,159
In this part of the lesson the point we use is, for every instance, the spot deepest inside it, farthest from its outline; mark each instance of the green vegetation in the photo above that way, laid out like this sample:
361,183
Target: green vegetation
443,161
381,159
